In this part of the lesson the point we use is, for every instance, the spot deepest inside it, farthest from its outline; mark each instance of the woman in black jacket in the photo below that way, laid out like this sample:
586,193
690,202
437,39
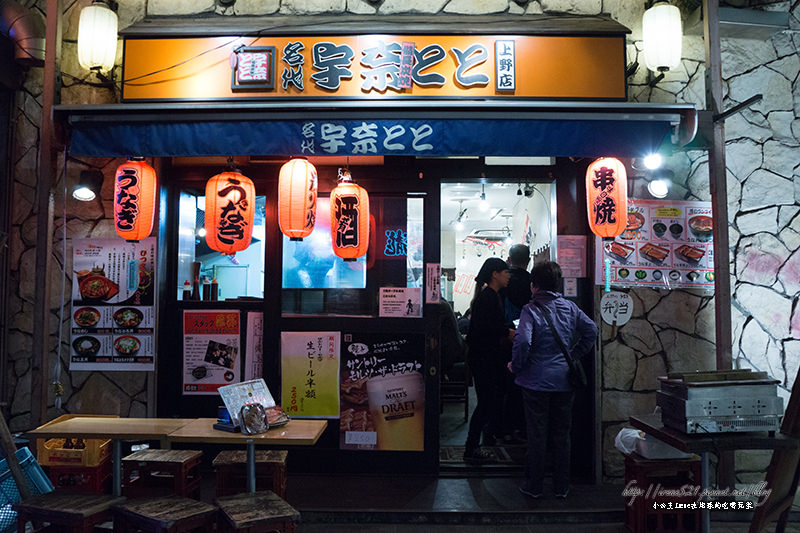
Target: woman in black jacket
487,329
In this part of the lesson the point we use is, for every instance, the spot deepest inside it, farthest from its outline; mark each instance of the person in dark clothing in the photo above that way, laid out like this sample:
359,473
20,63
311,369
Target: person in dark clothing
515,297
541,369
452,344
518,292
487,329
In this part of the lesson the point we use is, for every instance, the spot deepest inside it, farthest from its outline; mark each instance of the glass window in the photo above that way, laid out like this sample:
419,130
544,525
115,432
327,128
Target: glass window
316,281
241,274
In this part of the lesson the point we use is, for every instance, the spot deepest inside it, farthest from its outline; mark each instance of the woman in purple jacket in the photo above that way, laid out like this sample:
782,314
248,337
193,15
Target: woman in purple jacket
540,369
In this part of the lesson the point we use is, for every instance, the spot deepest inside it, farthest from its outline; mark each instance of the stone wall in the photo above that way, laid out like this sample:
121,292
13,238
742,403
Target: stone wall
670,329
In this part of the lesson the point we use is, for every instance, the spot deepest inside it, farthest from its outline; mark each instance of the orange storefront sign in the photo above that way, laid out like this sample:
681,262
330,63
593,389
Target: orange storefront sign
375,67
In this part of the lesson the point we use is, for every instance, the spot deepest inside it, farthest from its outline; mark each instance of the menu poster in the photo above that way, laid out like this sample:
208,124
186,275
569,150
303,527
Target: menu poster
666,244
237,395
571,255
310,373
211,354
382,392
254,347
113,311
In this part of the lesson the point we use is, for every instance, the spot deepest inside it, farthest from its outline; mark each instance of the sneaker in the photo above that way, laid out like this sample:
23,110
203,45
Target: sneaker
477,456
562,495
527,492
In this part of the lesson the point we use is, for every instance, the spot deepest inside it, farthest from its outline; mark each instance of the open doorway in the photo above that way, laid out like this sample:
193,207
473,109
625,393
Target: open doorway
482,219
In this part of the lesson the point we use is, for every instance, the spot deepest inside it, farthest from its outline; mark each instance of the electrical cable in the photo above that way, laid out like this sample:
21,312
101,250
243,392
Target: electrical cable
58,388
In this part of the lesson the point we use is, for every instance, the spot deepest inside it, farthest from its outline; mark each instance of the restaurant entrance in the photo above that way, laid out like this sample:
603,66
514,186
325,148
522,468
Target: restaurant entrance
485,210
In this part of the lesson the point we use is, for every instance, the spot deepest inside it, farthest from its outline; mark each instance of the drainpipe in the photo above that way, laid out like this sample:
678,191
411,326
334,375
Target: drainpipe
26,29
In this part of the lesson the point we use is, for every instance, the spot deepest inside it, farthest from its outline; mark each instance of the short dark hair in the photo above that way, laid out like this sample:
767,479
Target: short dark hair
546,276
519,254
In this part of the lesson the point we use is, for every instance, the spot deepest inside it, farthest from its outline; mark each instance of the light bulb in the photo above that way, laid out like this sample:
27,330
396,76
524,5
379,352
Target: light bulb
658,188
483,205
201,232
653,161
459,225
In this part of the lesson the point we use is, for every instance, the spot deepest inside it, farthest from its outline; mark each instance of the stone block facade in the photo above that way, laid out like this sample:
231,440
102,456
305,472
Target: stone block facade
670,330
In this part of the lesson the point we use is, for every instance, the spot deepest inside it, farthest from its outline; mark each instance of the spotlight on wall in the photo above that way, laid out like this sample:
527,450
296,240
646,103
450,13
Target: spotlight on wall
653,161
659,183
658,188
88,186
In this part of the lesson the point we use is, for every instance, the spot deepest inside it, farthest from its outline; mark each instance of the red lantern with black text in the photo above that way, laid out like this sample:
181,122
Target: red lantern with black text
297,198
230,210
607,197
135,185
349,219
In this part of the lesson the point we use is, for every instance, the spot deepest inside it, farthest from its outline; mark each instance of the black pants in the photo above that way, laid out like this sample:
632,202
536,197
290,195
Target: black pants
548,416
489,391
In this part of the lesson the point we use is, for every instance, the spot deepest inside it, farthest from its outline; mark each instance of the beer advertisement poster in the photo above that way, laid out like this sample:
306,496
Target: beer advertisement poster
113,305
212,354
310,373
382,392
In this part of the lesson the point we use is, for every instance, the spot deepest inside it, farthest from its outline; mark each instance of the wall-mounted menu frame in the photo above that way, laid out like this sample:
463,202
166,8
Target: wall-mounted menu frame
113,305
666,244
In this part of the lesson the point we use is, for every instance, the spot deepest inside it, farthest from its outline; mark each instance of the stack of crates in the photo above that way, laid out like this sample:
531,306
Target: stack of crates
9,492
85,469
649,513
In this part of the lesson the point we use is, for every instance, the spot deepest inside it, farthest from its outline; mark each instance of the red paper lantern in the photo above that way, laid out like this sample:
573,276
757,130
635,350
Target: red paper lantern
230,210
297,198
607,197
349,219
135,186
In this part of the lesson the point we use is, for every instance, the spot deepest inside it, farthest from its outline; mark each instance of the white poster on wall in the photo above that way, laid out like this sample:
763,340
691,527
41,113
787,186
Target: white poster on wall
400,302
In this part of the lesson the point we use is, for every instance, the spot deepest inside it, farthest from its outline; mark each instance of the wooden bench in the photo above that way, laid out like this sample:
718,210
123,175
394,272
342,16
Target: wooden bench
70,512
256,512
231,474
170,514
155,472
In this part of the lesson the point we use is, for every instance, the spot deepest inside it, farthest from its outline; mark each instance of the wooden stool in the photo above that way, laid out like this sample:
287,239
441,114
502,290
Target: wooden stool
230,468
149,473
70,512
256,512
170,514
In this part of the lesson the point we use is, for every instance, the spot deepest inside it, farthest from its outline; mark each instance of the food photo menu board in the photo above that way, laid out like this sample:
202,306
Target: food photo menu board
113,305
665,244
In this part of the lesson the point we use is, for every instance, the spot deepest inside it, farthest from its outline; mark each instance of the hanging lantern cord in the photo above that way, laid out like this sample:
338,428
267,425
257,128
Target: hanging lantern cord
344,175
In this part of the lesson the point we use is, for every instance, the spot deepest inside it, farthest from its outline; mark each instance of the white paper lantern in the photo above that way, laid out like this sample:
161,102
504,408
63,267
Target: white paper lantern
662,34
97,37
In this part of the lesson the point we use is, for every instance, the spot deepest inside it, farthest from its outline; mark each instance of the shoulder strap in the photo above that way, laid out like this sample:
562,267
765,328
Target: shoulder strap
546,314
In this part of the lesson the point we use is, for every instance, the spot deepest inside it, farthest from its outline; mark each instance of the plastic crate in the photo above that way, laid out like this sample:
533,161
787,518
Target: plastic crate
9,493
52,453
94,479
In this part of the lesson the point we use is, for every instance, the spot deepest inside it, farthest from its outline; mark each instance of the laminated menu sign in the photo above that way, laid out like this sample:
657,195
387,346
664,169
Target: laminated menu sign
665,244
310,373
211,350
382,392
113,298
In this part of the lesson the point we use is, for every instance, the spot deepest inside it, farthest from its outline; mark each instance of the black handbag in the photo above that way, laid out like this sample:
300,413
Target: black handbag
576,374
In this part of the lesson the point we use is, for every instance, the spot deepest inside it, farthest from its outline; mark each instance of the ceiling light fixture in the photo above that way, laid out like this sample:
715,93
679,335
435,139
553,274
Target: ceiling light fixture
484,205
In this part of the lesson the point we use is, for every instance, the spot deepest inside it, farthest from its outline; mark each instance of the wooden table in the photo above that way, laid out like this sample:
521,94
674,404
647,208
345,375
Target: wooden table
116,429
703,443
294,433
